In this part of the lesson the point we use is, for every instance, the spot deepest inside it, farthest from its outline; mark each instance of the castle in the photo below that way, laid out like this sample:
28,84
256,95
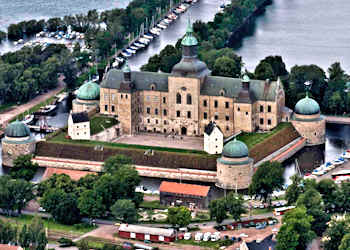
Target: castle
186,100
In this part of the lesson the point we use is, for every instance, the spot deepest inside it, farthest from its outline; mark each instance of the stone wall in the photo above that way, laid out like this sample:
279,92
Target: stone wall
313,130
108,134
10,151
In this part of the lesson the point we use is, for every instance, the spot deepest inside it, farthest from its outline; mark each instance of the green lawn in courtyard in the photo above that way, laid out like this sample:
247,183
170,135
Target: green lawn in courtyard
251,139
99,123
50,224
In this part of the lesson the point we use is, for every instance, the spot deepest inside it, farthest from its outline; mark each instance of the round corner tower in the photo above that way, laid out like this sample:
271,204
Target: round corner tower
18,141
234,167
88,97
309,122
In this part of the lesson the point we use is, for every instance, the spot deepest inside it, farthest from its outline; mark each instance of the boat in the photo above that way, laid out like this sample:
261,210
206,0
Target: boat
318,172
154,32
115,64
126,54
48,108
148,36
143,41
309,176
159,25
120,59
134,47
28,119
139,45
338,161
346,154
328,166
131,51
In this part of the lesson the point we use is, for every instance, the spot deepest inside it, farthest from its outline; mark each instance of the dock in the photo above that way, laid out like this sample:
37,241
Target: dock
338,120
43,129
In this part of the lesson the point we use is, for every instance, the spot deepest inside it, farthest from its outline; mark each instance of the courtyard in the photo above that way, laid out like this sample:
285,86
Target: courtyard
161,140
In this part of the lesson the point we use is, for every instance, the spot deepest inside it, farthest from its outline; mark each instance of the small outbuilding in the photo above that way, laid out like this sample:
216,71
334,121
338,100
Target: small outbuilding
79,126
213,139
189,195
146,233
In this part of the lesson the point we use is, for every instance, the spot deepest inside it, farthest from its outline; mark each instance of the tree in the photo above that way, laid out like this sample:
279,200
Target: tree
62,206
37,234
277,64
294,190
328,190
113,163
295,232
8,233
90,204
83,245
335,233
59,181
125,210
336,73
23,168
345,242
217,210
264,71
24,238
268,178
234,205
180,216
153,64
225,66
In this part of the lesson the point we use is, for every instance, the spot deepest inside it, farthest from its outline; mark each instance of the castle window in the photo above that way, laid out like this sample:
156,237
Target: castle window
113,109
227,105
148,121
145,128
227,118
261,108
205,103
126,96
216,104
188,114
164,99
227,128
156,121
148,110
178,98
121,96
269,122
153,87
164,130
222,92
164,122
165,112
106,107
178,113
269,108
216,117
205,115
238,109
194,132
246,113
156,111
189,99
261,121
154,130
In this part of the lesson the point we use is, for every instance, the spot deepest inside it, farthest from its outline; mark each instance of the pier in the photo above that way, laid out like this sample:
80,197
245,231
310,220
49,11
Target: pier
338,120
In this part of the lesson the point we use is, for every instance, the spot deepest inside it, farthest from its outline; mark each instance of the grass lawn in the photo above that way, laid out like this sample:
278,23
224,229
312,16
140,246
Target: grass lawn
209,244
262,211
251,139
50,224
99,123
61,138
97,243
6,107
152,205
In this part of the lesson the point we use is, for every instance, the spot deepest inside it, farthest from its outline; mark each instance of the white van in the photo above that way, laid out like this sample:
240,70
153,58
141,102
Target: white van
215,236
187,236
206,236
198,236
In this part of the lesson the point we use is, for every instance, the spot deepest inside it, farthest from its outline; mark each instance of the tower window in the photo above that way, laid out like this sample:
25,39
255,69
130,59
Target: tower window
164,122
227,128
261,108
216,104
148,121
178,98
165,112
113,109
156,121
261,121
189,99
227,105
246,113
269,122
238,109
178,113
148,110
121,96
227,118
106,107
156,111
164,99
188,114
126,96
216,117
205,103
205,115
269,108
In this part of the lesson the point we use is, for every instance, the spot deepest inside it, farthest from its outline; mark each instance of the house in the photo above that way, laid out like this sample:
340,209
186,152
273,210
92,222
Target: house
266,244
146,233
8,247
79,126
190,195
213,139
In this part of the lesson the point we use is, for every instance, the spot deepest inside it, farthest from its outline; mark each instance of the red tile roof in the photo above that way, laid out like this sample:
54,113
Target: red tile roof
181,188
73,174
7,247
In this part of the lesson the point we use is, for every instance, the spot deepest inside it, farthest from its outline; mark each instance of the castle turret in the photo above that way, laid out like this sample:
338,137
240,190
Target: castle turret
234,167
308,121
87,98
18,141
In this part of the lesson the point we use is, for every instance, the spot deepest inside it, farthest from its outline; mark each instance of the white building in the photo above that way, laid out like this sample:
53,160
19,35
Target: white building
213,139
79,126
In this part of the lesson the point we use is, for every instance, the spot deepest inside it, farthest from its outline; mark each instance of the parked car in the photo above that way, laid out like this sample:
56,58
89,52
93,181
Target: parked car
198,236
187,236
206,236
215,236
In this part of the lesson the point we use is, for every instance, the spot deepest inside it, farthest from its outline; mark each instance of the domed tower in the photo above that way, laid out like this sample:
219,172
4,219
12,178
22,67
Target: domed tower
308,121
18,141
234,167
87,98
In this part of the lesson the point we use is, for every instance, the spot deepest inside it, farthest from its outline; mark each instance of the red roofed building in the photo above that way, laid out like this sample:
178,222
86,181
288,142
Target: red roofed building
8,247
190,195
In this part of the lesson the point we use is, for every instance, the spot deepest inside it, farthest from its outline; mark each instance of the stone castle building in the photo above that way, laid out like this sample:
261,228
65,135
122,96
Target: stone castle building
17,141
184,101
309,122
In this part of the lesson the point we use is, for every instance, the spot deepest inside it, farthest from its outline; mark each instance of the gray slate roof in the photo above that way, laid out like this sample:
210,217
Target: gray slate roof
211,87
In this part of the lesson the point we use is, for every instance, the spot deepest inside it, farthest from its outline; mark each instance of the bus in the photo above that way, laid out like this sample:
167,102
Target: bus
282,210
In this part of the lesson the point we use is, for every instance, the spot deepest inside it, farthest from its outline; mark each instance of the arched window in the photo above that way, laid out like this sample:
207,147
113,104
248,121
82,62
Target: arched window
178,98
189,99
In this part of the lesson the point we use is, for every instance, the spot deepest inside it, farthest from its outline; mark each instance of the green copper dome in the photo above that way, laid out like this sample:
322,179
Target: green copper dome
17,129
89,91
235,149
307,106
189,39
245,78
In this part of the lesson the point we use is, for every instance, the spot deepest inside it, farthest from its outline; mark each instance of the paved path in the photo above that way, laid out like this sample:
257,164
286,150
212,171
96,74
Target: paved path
8,115
338,119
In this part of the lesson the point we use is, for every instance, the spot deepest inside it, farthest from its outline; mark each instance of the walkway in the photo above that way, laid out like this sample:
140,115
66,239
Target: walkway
338,119
8,115
290,151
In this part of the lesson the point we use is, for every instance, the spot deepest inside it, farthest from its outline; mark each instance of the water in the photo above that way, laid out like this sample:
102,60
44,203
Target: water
302,32
204,10
19,10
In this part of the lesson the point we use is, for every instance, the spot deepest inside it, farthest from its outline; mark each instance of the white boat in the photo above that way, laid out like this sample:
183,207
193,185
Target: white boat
48,108
168,21
328,166
159,25
131,51
318,172
28,119
139,45
153,32
143,41
126,54
134,47
148,36
115,64
120,59
346,154
338,161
